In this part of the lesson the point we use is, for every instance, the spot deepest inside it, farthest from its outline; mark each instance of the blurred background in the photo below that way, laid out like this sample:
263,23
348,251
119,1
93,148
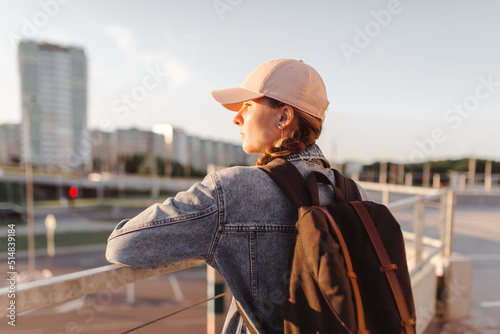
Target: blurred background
106,106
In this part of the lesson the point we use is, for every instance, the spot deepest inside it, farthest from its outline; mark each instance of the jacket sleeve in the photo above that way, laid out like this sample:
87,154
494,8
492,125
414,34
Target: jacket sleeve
181,228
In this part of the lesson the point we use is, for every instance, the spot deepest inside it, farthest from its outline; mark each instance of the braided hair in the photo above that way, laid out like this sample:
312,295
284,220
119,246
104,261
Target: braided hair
308,130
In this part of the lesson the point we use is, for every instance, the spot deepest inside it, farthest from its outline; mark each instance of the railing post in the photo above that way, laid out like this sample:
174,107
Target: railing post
436,181
385,196
442,232
382,176
418,227
487,176
131,293
448,227
215,308
174,283
426,174
393,174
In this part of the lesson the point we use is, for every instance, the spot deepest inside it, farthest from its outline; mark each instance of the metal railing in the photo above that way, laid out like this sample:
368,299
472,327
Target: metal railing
442,199
58,289
32,295
462,182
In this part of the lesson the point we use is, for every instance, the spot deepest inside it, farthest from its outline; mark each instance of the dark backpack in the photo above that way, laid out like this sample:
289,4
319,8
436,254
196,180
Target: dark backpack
348,270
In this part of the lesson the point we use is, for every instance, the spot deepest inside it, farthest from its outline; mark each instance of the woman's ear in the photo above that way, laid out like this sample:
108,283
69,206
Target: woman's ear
287,116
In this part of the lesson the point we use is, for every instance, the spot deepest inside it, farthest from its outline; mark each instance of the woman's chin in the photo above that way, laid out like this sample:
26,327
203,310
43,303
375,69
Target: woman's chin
250,150
247,151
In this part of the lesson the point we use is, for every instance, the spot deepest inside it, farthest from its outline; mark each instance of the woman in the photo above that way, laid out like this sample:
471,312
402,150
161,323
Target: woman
237,219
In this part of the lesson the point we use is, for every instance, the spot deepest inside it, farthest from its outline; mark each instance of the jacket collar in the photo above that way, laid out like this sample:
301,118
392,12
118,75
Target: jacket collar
311,154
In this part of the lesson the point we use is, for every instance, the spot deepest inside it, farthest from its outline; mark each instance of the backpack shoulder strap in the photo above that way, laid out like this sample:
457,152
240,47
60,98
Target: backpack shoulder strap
347,187
300,193
289,179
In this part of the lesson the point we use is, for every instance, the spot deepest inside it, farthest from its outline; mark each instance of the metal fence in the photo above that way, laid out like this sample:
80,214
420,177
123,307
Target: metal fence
425,248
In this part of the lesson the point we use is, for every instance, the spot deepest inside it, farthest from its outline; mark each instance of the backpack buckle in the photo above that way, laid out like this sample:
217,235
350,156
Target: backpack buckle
388,267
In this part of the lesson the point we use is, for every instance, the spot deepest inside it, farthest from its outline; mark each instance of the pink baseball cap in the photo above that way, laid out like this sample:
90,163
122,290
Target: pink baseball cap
287,80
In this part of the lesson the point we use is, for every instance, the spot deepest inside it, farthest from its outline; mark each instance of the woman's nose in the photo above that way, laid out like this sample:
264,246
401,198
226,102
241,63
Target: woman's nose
237,120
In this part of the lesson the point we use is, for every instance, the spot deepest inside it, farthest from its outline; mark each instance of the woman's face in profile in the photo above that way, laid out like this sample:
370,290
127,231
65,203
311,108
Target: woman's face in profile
258,125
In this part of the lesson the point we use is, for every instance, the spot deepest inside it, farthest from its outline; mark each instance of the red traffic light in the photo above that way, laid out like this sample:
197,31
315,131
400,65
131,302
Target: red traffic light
73,192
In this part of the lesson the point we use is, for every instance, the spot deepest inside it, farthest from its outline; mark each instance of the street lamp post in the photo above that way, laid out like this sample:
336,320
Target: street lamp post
29,184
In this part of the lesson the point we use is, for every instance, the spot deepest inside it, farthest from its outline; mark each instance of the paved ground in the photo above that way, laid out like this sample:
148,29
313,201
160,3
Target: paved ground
477,235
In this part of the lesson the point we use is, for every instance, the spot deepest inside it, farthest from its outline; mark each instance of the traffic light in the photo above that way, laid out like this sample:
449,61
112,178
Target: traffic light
73,192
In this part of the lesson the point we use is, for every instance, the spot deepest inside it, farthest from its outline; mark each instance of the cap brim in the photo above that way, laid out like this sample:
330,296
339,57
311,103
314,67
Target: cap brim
233,98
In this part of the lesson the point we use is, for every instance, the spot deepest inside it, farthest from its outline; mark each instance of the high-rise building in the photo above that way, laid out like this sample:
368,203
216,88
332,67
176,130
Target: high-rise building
54,102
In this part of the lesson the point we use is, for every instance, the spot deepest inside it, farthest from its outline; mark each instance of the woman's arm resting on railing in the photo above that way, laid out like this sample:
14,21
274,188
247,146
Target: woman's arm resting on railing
176,230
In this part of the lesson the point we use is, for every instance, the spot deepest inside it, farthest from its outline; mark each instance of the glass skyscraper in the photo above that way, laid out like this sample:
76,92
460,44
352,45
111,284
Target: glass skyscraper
54,97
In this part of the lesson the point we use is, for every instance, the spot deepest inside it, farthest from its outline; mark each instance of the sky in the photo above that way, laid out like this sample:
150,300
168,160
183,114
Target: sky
408,80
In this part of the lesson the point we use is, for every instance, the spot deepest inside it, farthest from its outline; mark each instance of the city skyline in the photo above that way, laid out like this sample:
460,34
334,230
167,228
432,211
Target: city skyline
408,81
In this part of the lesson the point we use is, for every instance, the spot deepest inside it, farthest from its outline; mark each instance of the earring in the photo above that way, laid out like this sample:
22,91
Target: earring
279,125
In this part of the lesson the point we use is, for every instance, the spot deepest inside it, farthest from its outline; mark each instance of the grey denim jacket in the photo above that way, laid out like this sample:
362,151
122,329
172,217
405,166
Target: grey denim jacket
238,221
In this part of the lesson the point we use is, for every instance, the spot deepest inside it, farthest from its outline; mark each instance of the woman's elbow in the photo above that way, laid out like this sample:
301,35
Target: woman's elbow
121,251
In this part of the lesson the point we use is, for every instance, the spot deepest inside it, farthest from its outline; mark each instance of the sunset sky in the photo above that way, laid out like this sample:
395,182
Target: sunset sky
407,80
